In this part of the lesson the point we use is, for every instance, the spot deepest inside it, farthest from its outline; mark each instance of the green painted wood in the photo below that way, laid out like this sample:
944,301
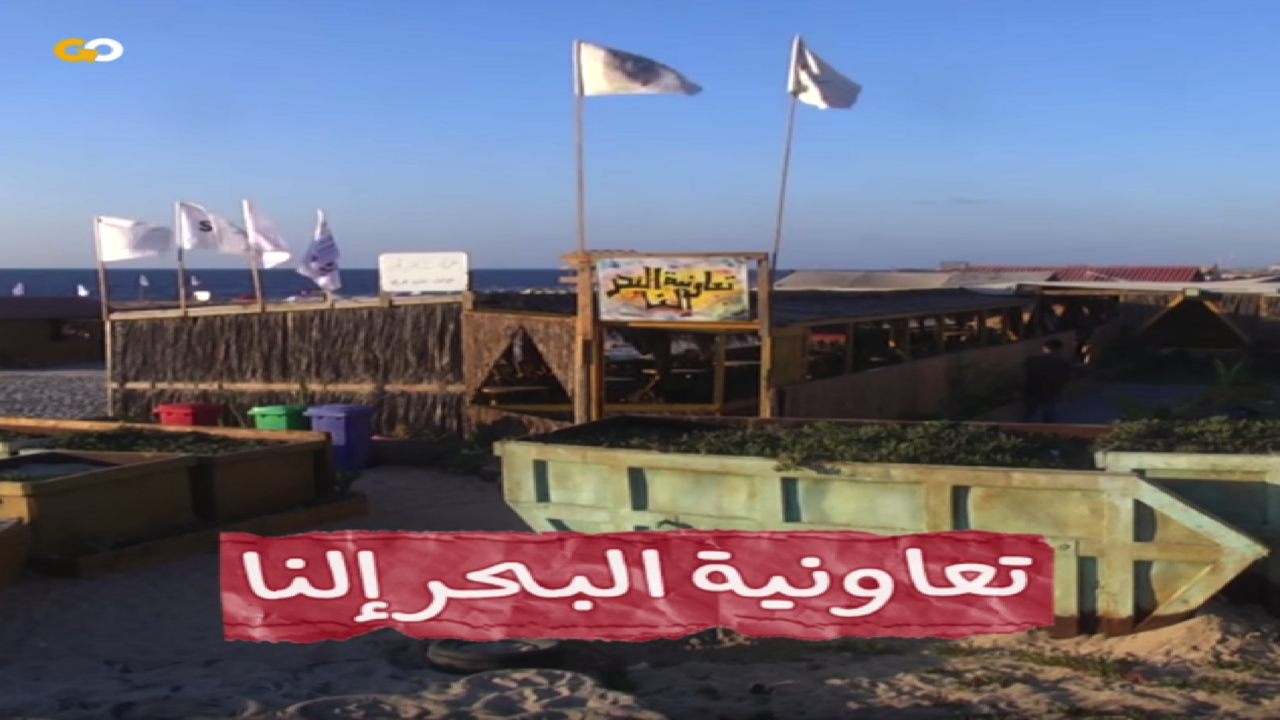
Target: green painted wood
1241,490
1135,553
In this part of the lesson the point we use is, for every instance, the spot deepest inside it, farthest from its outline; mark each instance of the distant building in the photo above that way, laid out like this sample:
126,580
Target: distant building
1102,273
46,331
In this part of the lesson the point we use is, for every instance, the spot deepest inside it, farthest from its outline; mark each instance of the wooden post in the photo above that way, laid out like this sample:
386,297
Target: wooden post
900,331
722,346
849,331
257,283
583,327
104,293
597,366
764,320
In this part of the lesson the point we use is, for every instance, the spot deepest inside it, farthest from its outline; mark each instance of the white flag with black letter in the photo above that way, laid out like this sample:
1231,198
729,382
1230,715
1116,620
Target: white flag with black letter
320,264
199,229
605,71
813,82
122,239
264,239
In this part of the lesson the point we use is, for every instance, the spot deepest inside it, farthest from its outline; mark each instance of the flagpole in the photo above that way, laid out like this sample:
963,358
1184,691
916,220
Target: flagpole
579,147
253,256
782,187
106,314
182,262
583,404
102,269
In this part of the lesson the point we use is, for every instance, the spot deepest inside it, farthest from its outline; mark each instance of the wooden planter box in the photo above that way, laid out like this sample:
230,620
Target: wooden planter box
119,503
298,471
15,545
1243,490
1129,554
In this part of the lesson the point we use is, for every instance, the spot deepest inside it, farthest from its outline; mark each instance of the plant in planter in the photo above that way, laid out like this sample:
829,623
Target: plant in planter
234,477
816,444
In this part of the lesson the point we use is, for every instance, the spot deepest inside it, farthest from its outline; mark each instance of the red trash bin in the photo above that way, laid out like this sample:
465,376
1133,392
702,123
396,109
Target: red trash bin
189,414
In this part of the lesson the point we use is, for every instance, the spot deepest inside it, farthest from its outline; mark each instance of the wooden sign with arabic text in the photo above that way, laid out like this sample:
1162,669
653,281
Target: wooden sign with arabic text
682,289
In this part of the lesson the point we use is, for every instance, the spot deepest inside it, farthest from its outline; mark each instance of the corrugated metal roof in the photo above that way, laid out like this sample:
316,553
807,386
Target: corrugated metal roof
1121,286
22,307
1103,273
793,307
968,278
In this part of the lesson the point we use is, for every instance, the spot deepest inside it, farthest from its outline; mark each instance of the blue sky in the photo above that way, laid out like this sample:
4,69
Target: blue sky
1142,131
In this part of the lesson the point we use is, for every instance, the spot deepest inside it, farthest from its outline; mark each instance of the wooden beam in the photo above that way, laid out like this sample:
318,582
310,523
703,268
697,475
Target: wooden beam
900,333
849,331
234,387
764,318
282,307
584,325
687,327
722,347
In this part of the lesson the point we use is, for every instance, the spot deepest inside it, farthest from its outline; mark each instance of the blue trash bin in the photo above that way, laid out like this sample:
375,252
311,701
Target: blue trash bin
351,429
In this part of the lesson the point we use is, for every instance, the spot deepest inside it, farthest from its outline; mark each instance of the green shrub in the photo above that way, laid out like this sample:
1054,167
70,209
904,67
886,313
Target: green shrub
1217,435
943,443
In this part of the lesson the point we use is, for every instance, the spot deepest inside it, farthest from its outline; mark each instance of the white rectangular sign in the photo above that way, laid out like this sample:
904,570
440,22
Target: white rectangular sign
424,272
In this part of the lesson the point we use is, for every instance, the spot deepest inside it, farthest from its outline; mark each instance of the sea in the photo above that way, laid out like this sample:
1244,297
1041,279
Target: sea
278,284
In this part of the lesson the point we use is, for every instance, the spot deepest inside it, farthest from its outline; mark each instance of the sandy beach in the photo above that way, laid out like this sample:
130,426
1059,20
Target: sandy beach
147,645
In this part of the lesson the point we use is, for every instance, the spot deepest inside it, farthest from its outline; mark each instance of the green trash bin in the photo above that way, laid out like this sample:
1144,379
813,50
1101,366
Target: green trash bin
280,417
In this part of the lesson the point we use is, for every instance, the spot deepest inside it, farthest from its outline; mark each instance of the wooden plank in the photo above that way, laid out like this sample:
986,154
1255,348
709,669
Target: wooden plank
1066,588
38,426
201,541
717,393
689,327
284,307
292,387
1116,592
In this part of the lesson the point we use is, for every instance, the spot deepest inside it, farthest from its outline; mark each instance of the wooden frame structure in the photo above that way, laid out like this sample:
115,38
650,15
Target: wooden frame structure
588,391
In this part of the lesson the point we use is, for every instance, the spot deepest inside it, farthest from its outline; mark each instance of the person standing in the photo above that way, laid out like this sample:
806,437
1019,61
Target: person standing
1045,377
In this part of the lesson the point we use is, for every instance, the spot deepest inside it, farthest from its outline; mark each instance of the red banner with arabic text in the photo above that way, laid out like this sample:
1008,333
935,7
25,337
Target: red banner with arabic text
636,586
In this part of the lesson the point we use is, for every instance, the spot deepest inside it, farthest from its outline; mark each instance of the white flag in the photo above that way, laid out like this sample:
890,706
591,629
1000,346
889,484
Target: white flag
265,239
82,291
320,264
813,82
19,290
143,281
199,229
121,239
605,71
